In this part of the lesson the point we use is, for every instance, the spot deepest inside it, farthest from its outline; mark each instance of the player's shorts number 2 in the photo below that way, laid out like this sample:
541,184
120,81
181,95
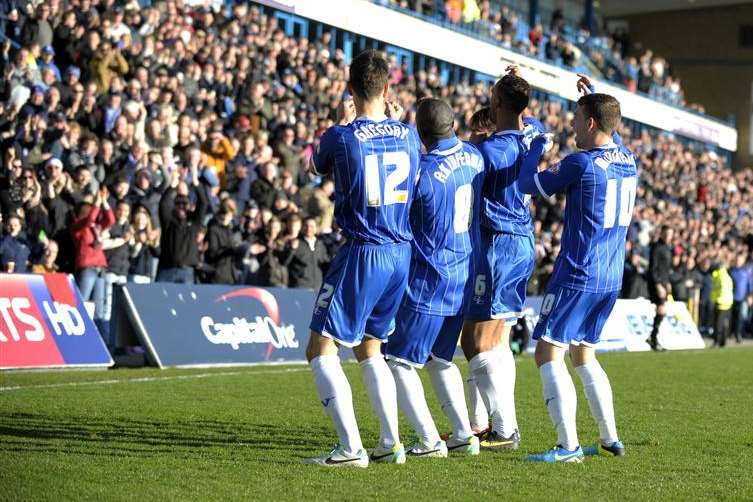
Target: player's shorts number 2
323,300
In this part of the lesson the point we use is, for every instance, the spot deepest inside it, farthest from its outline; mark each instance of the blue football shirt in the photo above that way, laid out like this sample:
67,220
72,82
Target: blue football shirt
505,205
375,165
444,217
600,185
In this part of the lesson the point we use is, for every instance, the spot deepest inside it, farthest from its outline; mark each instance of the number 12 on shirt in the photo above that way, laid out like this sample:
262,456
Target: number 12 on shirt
627,202
401,163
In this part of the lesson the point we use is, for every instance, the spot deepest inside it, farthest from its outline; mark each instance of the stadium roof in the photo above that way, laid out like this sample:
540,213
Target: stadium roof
610,8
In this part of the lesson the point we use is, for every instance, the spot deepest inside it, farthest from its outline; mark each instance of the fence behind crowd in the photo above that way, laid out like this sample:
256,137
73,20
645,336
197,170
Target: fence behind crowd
44,324
207,325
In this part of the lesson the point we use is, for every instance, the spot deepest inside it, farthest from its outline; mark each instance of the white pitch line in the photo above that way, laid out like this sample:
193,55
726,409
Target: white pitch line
149,379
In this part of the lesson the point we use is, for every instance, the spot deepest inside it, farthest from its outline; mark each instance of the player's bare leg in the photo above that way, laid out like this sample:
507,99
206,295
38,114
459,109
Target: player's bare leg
380,386
599,396
336,397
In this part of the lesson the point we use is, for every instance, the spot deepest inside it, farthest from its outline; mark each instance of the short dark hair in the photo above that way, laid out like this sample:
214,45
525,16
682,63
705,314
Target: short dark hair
369,73
604,109
434,119
512,92
481,120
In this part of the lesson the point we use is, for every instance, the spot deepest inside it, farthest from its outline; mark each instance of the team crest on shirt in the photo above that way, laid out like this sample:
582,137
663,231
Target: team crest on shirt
555,169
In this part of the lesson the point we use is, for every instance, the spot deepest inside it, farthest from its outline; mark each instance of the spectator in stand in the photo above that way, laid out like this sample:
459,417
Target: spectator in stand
264,189
14,247
305,257
290,153
742,279
678,278
181,226
321,206
115,242
107,63
93,217
47,264
218,150
271,270
722,295
38,30
222,248
144,247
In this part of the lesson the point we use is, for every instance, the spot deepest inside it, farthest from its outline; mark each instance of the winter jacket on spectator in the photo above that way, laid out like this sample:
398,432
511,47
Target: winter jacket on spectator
104,67
264,193
14,250
220,252
305,259
678,277
141,255
117,250
218,155
87,232
178,242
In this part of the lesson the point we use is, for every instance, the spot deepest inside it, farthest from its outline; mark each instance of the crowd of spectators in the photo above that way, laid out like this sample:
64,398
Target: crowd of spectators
171,142
585,49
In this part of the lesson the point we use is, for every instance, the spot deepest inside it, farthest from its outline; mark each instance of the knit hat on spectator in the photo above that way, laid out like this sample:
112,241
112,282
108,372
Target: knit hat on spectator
54,162
73,70
47,49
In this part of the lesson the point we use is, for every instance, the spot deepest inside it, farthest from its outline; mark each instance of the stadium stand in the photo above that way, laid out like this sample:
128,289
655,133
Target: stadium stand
174,142
583,49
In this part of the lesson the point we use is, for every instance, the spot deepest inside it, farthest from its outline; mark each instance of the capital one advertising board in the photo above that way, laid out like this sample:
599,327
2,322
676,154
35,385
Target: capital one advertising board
198,325
629,326
43,324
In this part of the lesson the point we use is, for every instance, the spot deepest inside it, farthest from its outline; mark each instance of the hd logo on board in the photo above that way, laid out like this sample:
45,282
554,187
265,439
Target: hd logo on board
43,324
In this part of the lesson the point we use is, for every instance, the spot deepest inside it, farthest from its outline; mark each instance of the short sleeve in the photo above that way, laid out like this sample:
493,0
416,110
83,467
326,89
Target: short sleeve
323,159
560,176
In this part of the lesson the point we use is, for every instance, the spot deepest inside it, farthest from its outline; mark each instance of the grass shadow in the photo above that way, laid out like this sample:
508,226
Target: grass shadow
128,437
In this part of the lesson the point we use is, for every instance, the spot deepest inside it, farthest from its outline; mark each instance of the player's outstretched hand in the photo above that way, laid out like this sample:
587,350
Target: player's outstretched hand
584,84
346,112
393,110
544,142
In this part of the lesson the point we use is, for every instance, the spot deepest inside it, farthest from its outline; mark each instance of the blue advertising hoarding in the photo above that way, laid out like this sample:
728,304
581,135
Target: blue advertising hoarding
205,325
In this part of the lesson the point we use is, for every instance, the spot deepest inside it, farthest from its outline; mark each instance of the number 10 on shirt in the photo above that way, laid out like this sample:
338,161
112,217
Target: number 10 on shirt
627,202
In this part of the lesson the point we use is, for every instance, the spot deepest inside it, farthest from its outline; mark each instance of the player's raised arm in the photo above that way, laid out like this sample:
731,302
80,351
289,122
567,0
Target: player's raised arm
549,181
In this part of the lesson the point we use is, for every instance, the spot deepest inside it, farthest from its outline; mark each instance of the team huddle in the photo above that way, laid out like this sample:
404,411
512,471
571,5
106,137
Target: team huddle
439,248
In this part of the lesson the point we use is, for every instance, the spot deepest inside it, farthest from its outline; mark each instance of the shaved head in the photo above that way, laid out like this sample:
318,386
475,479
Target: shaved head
434,120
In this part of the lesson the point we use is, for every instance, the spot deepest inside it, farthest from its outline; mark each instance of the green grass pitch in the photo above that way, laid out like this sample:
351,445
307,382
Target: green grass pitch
240,434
